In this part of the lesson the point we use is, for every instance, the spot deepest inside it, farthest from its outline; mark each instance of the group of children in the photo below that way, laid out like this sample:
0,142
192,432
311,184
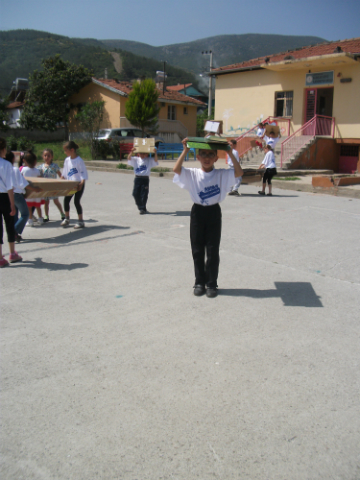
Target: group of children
207,187
17,210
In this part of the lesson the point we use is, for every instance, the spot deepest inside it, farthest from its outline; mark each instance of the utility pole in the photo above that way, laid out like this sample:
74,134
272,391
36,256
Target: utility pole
164,79
210,81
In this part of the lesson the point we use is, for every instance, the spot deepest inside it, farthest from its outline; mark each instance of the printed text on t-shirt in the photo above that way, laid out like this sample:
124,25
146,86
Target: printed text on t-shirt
209,192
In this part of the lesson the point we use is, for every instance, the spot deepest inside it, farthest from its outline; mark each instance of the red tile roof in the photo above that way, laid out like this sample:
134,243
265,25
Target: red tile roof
328,48
125,88
179,87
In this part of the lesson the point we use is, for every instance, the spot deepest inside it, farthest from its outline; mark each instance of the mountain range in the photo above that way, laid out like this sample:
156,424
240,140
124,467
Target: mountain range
21,52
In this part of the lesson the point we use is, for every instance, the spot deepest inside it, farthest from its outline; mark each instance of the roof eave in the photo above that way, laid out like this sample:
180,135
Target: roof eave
112,89
234,70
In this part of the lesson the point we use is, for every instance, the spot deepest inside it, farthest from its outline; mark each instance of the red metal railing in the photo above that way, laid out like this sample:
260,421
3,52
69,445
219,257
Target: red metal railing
244,140
318,125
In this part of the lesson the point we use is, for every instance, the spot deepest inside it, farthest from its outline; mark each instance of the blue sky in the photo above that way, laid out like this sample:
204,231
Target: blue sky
164,22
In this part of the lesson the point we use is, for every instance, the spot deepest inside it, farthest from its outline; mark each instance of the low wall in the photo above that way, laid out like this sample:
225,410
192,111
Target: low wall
36,135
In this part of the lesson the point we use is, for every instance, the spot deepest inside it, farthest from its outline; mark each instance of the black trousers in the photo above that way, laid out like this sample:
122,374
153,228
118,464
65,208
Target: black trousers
205,236
77,204
269,174
141,191
5,209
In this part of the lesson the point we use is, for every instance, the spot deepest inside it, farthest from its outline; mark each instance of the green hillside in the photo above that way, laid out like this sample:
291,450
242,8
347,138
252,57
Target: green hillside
227,49
21,52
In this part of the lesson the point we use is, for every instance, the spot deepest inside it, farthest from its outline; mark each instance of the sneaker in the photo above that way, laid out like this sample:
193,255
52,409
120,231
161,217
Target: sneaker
30,222
142,212
211,292
18,238
261,193
14,257
236,193
65,222
231,193
269,194
79,225
40,220
3,263
46,219
199,290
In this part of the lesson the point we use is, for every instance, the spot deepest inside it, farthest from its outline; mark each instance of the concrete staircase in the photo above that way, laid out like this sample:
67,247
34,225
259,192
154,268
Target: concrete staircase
298,148
253,158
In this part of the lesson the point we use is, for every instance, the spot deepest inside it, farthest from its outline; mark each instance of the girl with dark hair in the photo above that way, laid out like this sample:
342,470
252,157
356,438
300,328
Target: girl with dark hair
75,170
7,206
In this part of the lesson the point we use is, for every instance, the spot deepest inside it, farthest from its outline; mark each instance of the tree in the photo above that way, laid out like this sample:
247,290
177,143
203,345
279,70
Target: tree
90,118
4,116
141,108
47,100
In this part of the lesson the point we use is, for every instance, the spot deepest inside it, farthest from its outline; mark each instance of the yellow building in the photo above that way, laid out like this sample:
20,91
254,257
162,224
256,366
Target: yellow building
177,116
315,90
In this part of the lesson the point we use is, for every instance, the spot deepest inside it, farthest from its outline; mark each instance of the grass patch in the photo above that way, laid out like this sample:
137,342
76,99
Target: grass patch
289,179
124,166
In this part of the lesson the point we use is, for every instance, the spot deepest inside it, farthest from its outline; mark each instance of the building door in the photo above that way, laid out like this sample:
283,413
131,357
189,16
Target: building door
318,101
349,157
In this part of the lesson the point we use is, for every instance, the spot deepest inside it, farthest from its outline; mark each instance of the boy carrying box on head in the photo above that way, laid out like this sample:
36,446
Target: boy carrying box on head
142,164
207,187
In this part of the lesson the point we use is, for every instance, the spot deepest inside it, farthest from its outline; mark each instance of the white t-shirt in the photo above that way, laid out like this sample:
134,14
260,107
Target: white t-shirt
19,181
260,132
31,172
206,188
269,160
141,166
6,176
228,159
271,141
75,169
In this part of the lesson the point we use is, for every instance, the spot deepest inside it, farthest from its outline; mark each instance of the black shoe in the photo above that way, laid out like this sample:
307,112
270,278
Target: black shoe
18,238
261,193
269,194
46,219
142,212
211,292
199,290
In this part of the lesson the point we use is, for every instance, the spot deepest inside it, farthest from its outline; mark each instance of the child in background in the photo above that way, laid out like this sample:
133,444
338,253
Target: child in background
235,189
7,206
207,188
269,164
75,170
50,170
142,164
30,170
260,132
20,185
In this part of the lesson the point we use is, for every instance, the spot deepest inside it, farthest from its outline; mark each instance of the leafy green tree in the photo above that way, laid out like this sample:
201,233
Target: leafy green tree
4,116
141,108
47,100
90,117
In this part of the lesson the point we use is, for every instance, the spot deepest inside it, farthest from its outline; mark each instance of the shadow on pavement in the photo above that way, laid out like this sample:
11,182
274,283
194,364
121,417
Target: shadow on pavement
73,235
293,294
39,264
174,214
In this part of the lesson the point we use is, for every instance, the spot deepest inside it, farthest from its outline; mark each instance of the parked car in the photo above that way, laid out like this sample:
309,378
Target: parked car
124,134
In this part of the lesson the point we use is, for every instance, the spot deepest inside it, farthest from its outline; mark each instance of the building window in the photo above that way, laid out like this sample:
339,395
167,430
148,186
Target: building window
185,111
283,104
171,112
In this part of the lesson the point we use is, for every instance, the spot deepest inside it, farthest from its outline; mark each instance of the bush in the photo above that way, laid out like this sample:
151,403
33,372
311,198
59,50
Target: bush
105,149
11,142
24,144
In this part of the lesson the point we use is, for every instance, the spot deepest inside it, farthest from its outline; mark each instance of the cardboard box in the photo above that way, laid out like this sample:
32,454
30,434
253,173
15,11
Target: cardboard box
51,187
144,145
272,129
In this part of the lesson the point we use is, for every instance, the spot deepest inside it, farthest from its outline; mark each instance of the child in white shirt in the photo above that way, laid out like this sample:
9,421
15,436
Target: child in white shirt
30,170
207,187
235,188
269,164
142,164
74,169
7,206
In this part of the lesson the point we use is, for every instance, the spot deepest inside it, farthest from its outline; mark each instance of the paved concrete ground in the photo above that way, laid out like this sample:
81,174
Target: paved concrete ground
112,369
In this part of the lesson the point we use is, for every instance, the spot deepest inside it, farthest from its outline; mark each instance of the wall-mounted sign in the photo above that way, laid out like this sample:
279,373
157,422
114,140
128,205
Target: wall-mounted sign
319,78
